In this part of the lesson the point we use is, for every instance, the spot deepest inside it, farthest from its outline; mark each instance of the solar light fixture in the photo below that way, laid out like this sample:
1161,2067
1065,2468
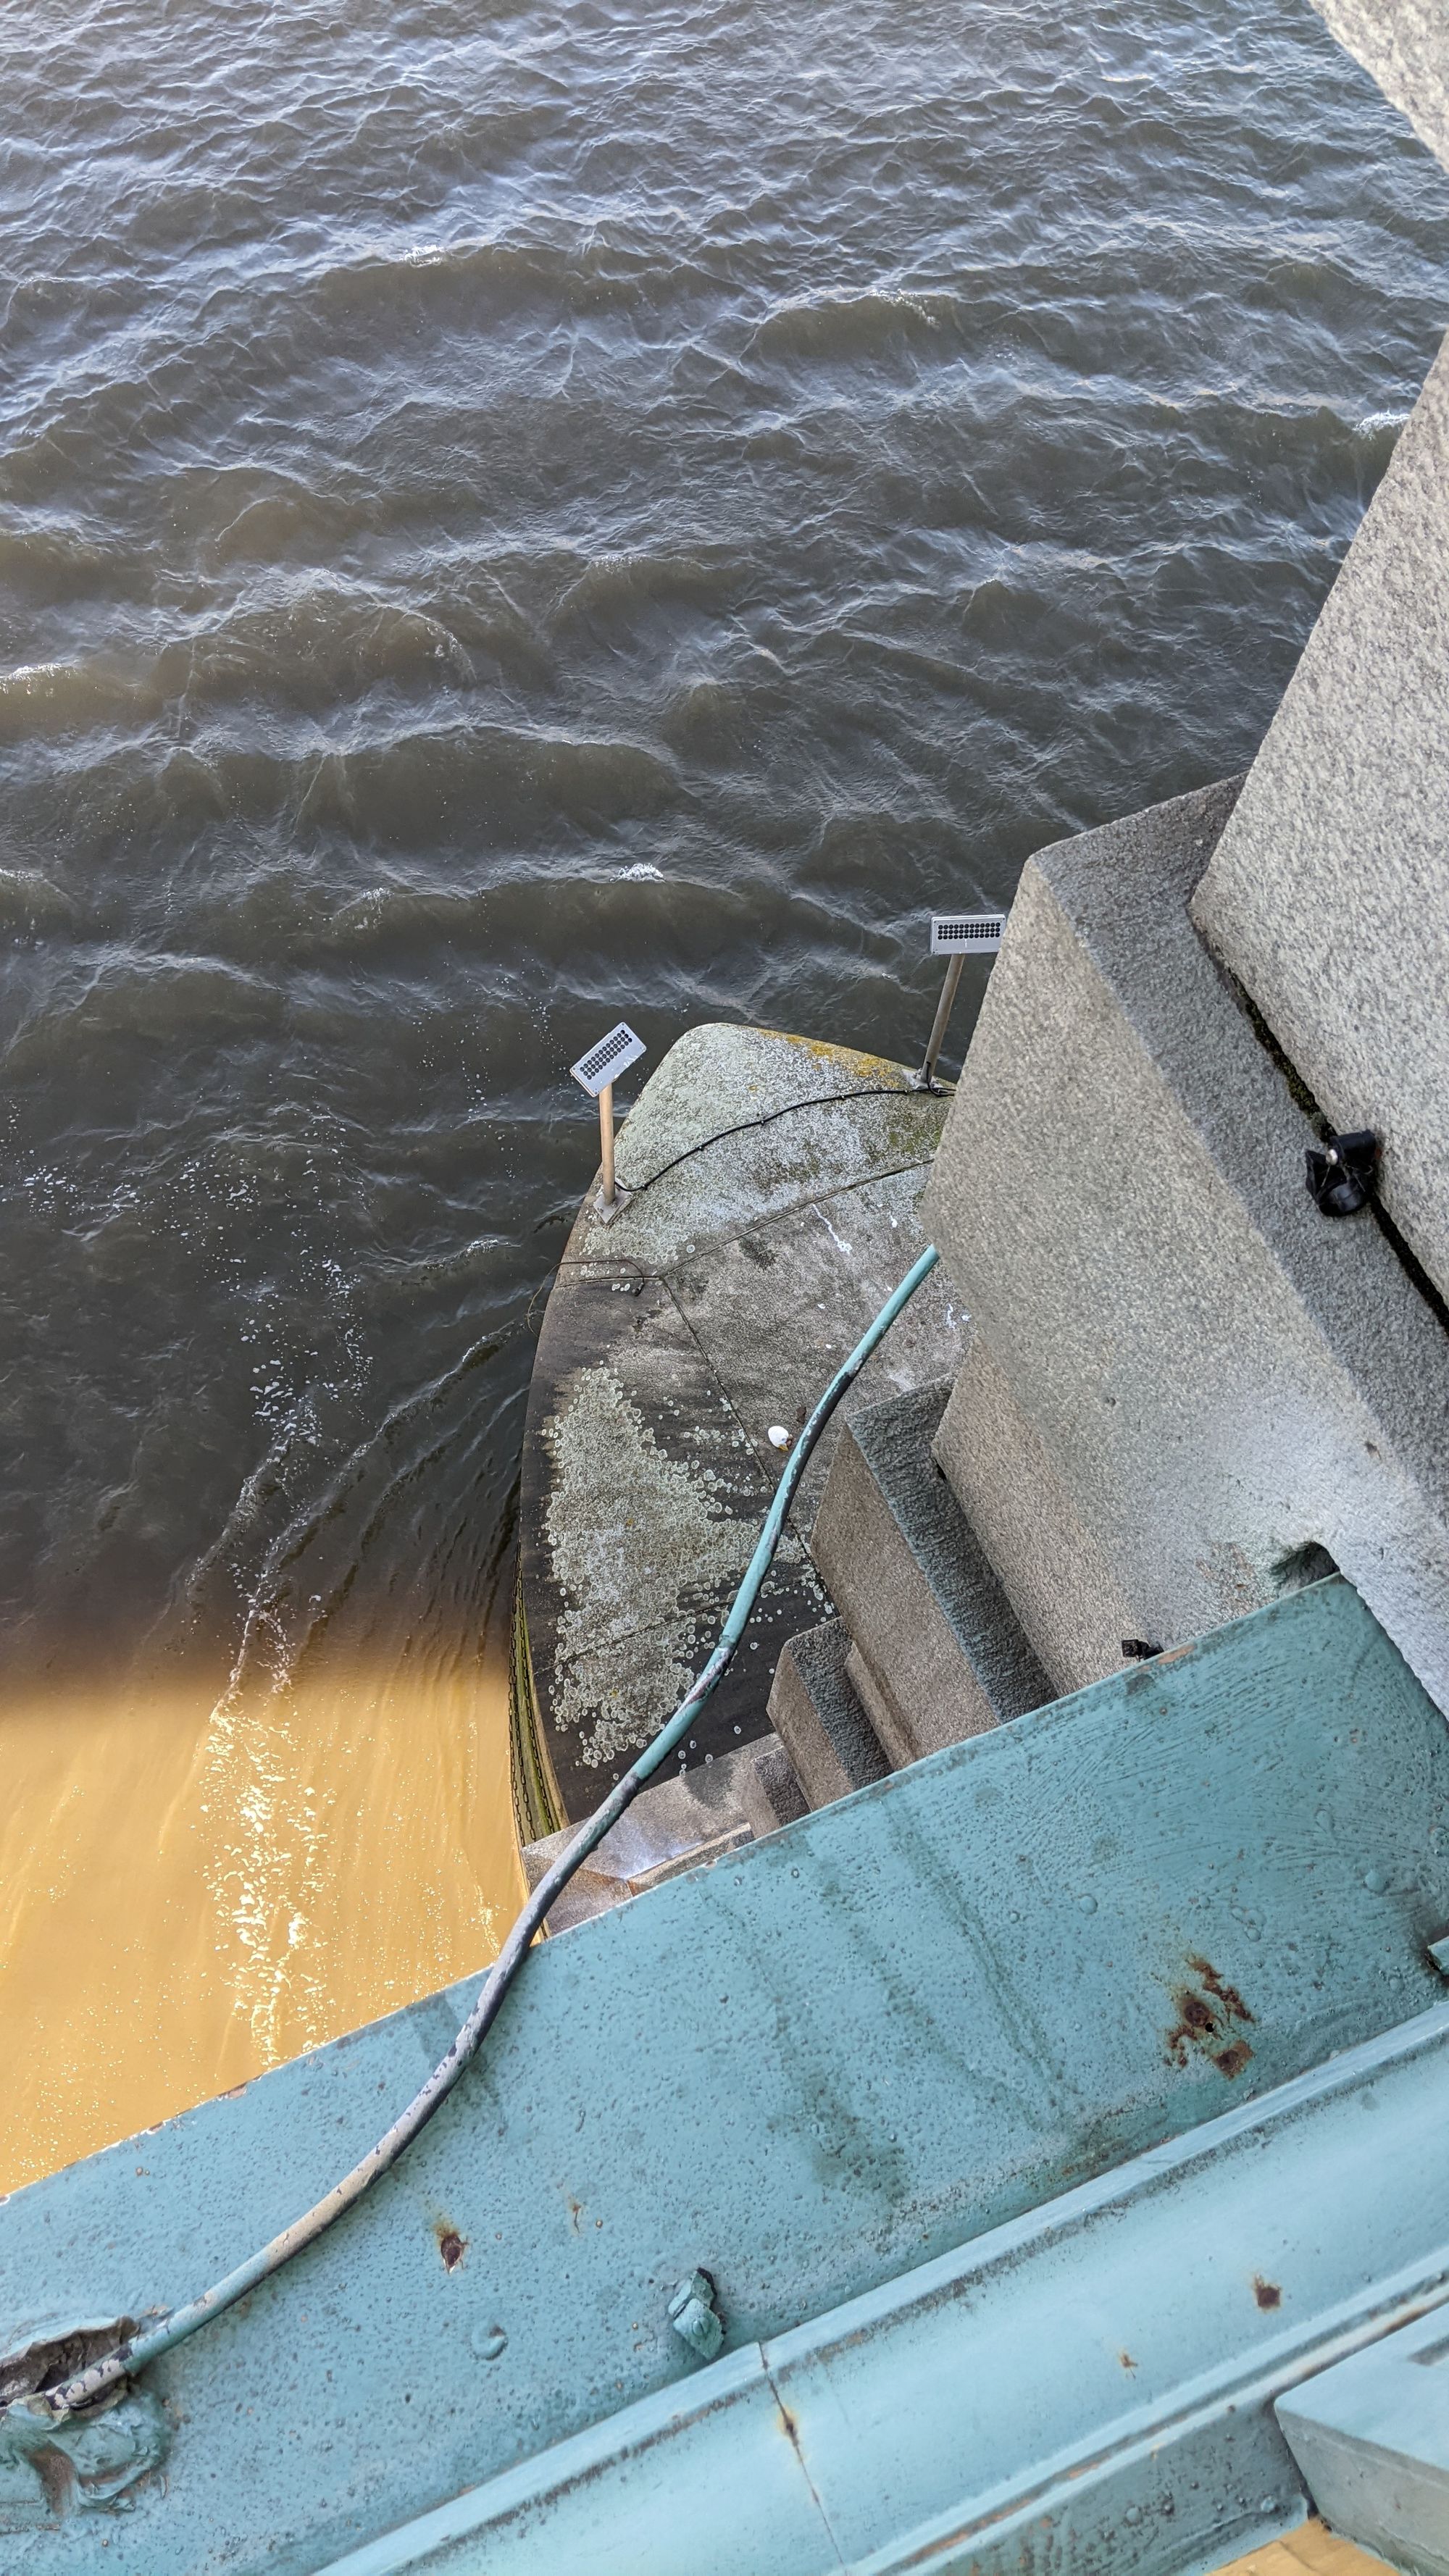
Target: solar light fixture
596,1072
957,936
966,934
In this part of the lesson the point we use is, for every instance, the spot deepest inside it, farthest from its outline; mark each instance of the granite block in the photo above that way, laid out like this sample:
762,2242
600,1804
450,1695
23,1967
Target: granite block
819,1719
1404,46
1220,1377
1328,893
1072,1609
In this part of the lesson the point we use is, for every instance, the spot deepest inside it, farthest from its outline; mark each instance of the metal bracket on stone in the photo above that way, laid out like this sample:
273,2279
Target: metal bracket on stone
55,2465
1341,1171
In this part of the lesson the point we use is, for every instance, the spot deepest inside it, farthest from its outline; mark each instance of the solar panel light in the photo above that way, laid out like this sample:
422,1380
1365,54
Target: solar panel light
956,936
596,1072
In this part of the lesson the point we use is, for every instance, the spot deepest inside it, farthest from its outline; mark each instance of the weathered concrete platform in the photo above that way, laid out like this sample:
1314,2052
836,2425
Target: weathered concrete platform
775,1185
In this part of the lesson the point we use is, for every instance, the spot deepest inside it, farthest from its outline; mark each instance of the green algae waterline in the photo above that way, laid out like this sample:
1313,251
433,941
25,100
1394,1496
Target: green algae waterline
191,1892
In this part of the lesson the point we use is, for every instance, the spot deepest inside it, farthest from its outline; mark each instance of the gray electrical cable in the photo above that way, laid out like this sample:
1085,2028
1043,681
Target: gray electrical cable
105,2375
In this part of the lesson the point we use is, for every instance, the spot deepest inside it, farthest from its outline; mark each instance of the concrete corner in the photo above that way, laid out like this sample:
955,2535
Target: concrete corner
1219,1376
1328,893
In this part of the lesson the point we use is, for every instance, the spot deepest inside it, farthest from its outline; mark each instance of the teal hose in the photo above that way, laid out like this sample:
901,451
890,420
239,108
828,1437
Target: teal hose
673,1734
171,2330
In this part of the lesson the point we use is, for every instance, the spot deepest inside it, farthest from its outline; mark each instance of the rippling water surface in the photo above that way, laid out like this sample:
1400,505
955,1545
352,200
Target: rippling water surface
508,516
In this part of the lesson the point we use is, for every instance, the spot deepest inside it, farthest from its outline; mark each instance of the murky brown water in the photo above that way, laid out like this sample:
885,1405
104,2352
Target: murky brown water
508,517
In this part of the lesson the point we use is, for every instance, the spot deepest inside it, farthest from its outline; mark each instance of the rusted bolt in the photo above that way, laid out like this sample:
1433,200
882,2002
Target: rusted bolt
692,2315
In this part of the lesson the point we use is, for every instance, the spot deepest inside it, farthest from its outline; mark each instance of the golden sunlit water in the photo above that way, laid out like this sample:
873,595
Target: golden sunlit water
194,1889
510,517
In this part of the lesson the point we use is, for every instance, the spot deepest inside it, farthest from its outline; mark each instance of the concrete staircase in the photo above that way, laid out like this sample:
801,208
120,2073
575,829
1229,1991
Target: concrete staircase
817,1715
1185,1392
927,1648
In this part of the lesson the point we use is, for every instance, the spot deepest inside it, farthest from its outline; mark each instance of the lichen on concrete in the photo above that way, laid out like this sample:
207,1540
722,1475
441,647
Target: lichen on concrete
680,1346
831,1116
632,1532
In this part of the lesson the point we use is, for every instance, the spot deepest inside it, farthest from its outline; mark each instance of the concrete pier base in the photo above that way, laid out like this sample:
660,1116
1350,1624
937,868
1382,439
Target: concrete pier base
774,1185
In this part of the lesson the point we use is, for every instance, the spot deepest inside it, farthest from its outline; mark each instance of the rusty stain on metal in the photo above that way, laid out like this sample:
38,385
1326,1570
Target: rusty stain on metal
1267,2293
1209,2018
451,2245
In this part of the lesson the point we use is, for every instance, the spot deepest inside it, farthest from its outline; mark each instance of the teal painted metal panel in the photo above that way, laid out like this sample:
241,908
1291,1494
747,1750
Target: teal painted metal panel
987,2414
1371,2437
894,2026
695,2478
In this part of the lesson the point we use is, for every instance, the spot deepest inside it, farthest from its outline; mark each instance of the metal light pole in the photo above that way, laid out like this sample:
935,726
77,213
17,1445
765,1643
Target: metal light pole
595,1072
957,936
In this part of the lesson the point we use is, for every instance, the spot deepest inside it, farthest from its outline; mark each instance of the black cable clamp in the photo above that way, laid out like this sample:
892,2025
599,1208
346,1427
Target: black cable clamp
1341,1171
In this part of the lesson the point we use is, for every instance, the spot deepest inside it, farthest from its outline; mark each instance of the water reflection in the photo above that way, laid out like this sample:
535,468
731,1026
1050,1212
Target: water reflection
509,516
192,1888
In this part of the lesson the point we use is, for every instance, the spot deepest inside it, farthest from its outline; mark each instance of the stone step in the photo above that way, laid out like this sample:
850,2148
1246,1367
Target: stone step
818,1717
1073,1611
940,1652
681,1823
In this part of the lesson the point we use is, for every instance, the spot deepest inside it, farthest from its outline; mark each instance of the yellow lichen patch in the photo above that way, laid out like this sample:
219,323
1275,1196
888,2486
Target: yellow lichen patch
193,1888
847,1060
